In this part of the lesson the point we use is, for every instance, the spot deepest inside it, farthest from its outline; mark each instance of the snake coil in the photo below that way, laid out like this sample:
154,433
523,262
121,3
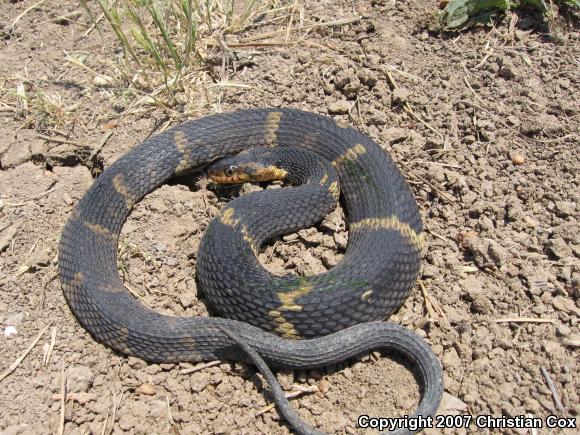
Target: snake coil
338,312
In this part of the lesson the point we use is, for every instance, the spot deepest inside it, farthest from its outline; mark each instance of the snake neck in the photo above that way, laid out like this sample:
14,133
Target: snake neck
260,216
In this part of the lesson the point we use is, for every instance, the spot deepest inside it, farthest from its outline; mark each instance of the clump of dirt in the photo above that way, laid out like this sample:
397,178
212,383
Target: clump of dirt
484,125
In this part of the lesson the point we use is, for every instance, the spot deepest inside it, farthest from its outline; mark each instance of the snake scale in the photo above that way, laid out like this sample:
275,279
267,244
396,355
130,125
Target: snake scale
294,323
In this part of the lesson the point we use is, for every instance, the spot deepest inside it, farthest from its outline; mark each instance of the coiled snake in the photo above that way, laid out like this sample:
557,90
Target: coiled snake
336,314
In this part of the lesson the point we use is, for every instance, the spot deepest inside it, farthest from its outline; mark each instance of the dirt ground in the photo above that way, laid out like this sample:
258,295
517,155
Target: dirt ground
484,125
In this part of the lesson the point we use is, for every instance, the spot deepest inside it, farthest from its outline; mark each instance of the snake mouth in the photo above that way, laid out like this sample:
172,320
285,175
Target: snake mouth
222,178
247,173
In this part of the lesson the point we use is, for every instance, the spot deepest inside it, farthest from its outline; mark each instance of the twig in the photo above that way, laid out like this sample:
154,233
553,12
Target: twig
407,107
103,430
62,399
76,397
50,347
272,253
137,295
439,236
9,107
290,395
63,141
524,320
82,65
309,28
100,145
23,355
200,367
93,26
30,199
440,192
169,415
115,407
8,234
553,389
19,17
433,307
445,165
403,73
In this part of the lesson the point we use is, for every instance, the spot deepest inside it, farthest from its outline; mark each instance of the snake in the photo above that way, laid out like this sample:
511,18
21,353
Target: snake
286,322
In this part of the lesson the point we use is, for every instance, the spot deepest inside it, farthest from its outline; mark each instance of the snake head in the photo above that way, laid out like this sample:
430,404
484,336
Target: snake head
251,165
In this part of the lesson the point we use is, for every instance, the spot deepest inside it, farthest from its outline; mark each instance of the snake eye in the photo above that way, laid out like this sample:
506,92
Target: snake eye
230,171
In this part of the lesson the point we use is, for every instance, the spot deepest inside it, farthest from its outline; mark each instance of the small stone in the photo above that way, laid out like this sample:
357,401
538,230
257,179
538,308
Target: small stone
530,221
18,153
563,330
518,159
290,237
507,69
102,80
340,240
497,253
558,248
565,208
67,199
10,331
146,389
286,379
79,379
328,259
126,422
187,299
481,304
339,107
324,386
401,95
564,304
309,235
136,363
451,360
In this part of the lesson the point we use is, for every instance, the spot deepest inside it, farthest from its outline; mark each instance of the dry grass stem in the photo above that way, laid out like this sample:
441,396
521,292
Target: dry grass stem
433,307
64,141
19,17
30,198
8,234
62,400
524,320
291,395
137,295
553,390
50,348
16,363
201,367
100,146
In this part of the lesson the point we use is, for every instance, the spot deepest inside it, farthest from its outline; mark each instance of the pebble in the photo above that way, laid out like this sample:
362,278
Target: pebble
79,379
558,248
565,208
324,386
339,107
136,363
328,259
146,389
102,80
566,305
9,331
518,159
340,240
126,422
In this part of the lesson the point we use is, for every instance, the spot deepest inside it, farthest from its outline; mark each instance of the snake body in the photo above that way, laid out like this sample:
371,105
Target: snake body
335,314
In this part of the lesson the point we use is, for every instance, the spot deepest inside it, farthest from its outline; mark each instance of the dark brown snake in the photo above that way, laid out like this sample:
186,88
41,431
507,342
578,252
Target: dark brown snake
313,322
